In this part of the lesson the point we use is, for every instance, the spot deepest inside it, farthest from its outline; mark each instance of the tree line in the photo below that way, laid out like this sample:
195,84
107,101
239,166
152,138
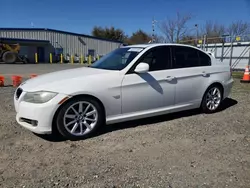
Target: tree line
118,34
178,30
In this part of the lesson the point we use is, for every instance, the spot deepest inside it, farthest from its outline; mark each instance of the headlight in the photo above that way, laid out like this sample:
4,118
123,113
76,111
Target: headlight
39,97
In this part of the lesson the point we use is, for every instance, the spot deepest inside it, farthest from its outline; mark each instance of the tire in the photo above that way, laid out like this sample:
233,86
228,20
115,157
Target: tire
9,57
211,102
69,115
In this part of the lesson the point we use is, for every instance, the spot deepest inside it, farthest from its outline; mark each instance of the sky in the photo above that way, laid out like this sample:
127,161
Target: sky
81,16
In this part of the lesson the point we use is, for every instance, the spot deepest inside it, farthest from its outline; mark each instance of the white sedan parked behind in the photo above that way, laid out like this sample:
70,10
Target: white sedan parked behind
129,83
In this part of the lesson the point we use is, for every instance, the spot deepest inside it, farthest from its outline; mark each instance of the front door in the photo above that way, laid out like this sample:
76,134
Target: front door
152,90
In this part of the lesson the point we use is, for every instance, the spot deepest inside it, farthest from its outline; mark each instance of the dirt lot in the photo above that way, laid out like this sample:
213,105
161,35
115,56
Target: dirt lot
179,150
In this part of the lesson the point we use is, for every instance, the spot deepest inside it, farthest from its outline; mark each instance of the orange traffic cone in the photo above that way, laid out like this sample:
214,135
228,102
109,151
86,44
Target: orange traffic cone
246,76
17,80
1,81
33,75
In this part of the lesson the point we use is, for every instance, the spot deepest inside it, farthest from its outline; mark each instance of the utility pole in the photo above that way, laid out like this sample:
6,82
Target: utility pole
223,46
197,34
153,29
249,59
204,42
231,53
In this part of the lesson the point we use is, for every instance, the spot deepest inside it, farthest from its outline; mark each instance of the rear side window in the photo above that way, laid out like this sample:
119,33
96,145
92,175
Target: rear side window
205,60
184,57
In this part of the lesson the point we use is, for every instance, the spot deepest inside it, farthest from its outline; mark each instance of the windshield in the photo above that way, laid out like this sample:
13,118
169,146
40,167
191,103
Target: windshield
117,59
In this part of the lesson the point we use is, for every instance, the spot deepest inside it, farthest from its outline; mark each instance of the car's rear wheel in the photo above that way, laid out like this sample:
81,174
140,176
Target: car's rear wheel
80,118
212,99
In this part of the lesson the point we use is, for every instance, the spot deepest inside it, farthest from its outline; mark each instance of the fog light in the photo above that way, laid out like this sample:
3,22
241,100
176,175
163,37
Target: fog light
34,123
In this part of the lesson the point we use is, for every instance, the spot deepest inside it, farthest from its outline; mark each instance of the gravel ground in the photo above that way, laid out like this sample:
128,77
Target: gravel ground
187,149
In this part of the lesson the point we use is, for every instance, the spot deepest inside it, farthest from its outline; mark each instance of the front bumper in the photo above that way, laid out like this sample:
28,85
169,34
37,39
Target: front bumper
41,114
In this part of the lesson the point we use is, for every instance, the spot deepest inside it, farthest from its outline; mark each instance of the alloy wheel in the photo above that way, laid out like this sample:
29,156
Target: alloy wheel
80,118
213,98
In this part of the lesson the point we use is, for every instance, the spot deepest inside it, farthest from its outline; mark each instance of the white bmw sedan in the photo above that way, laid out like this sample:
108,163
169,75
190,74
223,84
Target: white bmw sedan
129,83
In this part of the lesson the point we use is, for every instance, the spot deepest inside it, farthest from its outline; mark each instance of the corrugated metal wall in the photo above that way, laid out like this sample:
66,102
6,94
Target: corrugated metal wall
240,56
70,43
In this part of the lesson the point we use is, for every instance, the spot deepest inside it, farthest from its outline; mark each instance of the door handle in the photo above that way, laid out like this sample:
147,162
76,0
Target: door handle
205,74
170,78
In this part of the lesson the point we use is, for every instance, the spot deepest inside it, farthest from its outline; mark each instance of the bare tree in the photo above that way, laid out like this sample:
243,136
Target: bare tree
168,28
239,28
159,38
188,39
213,31
175,29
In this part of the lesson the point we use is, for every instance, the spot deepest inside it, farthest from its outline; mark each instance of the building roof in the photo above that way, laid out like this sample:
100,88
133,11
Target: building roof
58,31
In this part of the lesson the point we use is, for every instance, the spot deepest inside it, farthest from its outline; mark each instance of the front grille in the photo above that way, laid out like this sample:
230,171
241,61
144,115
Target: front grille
18,92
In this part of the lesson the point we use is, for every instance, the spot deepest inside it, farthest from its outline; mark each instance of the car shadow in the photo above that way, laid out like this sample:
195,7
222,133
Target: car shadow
56,137
152,82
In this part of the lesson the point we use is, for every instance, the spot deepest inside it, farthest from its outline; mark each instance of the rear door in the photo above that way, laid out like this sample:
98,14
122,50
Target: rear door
192,68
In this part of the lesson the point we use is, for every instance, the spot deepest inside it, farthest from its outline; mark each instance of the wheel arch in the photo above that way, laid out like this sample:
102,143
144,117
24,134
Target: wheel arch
217,84
72,98
211,85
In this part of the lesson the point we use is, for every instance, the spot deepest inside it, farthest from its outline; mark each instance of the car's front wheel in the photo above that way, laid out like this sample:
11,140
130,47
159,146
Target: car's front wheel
212,99
79,118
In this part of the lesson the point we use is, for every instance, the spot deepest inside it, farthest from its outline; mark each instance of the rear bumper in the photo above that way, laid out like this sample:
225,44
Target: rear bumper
228,87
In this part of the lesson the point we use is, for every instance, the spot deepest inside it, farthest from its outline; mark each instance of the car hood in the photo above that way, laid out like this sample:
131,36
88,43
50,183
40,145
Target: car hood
59,79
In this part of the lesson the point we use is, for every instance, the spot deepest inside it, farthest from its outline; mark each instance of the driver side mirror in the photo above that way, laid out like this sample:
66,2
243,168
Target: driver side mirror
142,68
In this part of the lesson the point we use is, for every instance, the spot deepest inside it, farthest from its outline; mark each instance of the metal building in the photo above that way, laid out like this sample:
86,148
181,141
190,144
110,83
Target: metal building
45,41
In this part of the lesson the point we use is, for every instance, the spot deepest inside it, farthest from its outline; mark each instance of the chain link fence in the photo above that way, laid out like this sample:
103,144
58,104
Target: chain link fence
234,50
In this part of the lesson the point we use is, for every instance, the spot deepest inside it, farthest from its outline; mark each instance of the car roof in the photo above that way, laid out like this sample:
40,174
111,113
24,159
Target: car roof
157,44
164,44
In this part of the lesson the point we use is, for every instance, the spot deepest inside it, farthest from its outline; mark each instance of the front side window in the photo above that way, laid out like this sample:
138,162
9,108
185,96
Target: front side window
158,58
117,59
